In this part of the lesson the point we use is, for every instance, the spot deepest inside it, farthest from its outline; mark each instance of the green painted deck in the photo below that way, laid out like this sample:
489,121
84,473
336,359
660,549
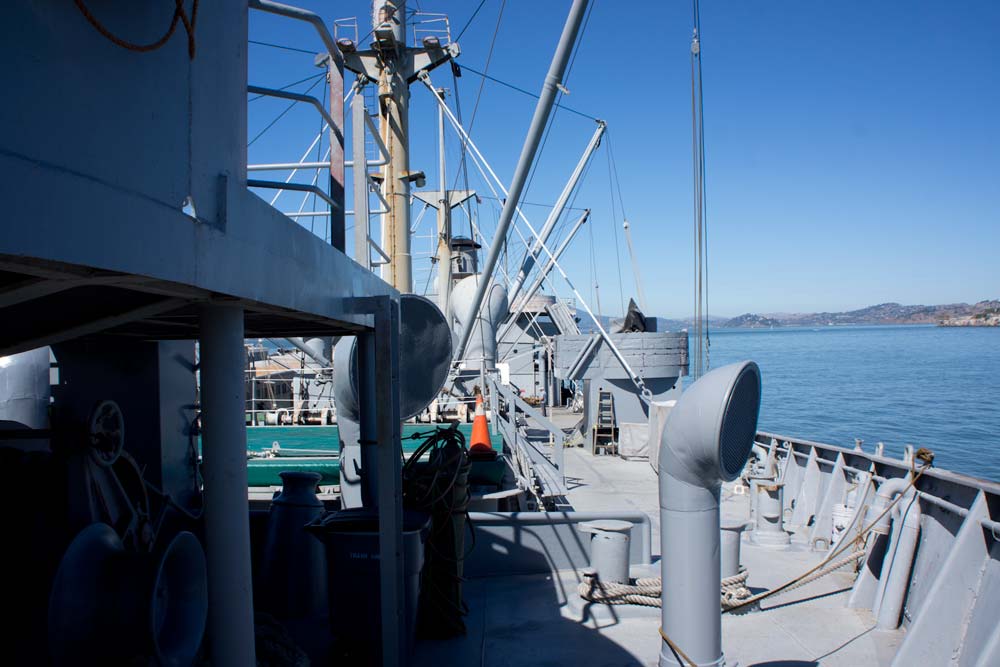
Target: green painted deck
264,472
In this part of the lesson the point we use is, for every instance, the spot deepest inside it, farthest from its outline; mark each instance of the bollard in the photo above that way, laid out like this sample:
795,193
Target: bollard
609,548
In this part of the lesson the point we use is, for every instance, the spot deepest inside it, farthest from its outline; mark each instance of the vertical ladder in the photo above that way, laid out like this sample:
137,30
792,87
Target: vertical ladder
605,439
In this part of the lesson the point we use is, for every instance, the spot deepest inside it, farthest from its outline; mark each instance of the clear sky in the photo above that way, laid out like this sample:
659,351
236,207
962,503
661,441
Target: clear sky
853,148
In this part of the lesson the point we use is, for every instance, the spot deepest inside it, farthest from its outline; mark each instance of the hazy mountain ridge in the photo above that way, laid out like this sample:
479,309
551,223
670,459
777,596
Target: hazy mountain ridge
889,313
882,313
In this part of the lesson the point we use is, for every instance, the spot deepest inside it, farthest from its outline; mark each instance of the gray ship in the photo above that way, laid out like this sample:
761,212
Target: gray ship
494,483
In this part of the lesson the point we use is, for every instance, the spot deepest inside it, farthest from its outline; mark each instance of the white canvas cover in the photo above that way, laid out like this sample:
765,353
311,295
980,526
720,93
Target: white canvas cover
658,413
633,440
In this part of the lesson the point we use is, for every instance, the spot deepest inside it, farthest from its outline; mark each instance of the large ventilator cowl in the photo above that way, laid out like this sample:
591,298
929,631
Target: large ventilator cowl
481,352
706,441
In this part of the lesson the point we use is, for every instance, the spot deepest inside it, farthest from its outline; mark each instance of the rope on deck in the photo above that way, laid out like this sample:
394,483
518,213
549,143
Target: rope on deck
646,591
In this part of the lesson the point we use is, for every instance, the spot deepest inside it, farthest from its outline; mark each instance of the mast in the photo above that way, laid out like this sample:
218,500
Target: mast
393,66
389,25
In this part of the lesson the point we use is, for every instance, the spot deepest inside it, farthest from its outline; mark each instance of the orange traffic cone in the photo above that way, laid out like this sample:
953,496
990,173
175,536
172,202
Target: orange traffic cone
480,441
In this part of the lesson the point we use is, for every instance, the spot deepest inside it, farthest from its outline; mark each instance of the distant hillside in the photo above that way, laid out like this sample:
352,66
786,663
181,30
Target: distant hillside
883,313
984,313
750,321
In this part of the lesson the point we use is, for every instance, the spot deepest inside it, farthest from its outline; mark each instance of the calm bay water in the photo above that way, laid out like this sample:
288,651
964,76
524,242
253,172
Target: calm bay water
929,386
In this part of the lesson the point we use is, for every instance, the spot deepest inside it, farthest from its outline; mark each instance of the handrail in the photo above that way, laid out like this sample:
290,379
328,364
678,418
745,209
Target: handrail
285,166
298,97
518,403
302,15
299,187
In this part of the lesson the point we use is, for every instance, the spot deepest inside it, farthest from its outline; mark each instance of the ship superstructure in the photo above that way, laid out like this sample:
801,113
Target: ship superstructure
156,306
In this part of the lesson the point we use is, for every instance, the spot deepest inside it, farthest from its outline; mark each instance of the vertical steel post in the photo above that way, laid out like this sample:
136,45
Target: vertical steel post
224,469
335,66
394,122
542,109
379,353
362,254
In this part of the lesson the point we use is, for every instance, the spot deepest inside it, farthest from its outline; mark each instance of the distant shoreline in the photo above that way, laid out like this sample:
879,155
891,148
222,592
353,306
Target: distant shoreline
791,328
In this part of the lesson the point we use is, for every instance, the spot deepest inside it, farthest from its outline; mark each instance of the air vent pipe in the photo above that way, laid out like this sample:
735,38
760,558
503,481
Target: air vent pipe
706,441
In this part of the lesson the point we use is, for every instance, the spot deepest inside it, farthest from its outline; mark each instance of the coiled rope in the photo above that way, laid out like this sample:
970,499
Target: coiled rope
646,591
180,16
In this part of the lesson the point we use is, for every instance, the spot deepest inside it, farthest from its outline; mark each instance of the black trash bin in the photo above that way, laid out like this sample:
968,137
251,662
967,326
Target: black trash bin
352,559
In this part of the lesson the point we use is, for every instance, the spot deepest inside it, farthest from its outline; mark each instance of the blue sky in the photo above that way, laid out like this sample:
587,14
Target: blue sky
853,148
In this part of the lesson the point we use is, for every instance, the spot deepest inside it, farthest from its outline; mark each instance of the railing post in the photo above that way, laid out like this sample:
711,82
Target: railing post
337,215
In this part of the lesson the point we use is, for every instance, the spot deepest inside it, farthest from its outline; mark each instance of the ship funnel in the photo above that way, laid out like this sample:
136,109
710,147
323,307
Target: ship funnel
706,441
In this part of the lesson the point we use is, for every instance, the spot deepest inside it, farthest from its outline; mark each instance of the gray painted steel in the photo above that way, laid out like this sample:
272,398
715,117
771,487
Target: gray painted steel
224,469
24,388
425,351
534,137
651,355
543,542
481,350
534,252
661,358
609,547
706,441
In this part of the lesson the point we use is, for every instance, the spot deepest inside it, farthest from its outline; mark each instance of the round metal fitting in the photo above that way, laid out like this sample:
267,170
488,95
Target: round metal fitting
106,433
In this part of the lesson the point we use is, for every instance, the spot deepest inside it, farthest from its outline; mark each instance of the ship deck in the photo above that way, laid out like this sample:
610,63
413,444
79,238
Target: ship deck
540,619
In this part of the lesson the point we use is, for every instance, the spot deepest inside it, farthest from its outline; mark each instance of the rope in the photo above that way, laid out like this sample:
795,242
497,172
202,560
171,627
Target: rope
825,566
180,16
646,591
678,653
734,593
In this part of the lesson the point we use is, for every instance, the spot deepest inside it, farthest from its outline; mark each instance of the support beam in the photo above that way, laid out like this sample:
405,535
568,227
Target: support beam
532,254
94,326
542,110
537,284
224,469
381,427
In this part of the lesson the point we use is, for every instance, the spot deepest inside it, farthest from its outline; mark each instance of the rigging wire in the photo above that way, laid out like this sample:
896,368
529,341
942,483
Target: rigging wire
466,68
593,272
463,168
559,95
614,226
625,225
484,76
471,19
568,207
281,115
282,47
703,341
290,85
